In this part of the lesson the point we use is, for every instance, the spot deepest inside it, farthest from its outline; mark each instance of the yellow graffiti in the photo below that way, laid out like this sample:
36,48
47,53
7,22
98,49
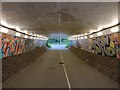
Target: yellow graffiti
112,44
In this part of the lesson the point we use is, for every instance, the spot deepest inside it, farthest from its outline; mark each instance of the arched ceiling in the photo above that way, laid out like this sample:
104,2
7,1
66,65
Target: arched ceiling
42,17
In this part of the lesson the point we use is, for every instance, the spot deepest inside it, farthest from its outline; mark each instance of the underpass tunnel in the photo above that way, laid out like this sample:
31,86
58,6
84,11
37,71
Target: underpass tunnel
67,45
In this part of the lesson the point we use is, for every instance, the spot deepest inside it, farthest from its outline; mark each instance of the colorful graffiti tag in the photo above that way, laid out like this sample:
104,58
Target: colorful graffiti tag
11,45
0,46
107,45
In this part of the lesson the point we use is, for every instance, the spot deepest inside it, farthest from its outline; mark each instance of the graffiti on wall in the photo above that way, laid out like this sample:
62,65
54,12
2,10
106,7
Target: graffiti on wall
107,45
0,46
11,45
28,45
32,44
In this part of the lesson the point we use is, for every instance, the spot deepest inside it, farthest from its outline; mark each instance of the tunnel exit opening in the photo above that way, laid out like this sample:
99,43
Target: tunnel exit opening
58,41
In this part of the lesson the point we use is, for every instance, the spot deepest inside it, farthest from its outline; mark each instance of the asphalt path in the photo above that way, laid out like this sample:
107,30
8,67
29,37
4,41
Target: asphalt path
59,69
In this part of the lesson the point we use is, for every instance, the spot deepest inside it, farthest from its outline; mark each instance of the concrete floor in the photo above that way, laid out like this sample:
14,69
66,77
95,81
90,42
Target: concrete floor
46,72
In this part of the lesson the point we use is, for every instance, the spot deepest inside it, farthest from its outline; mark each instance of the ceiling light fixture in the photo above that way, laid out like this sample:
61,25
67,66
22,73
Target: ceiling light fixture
91,31
26,36
115,21
81,38
25,31
91,36
115,29
99,33
17,28
4,30
3,23
17,34
99,28
85,33
85,37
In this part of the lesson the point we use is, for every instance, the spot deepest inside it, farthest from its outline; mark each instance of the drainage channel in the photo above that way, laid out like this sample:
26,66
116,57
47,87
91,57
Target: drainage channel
66,75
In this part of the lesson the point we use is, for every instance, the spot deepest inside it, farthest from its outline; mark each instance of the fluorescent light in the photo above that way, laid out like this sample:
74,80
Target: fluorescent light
85,37
115,29
38,35
31,34
35,38
25,32
26,36
3,23
17,34
108,25
91,31
91,36
74,36
4,30
115,21
10,26
31,37
81,37
100,33
35,35
85,33
17,28
100,28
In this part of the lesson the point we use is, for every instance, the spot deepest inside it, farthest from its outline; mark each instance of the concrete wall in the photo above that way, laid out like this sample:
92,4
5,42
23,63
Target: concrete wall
106,65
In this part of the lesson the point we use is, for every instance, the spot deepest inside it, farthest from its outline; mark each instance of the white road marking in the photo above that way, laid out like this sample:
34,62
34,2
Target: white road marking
66,75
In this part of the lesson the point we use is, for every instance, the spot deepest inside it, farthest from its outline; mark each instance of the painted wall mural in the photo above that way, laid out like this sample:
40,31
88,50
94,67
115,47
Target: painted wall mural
107,45
12,45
